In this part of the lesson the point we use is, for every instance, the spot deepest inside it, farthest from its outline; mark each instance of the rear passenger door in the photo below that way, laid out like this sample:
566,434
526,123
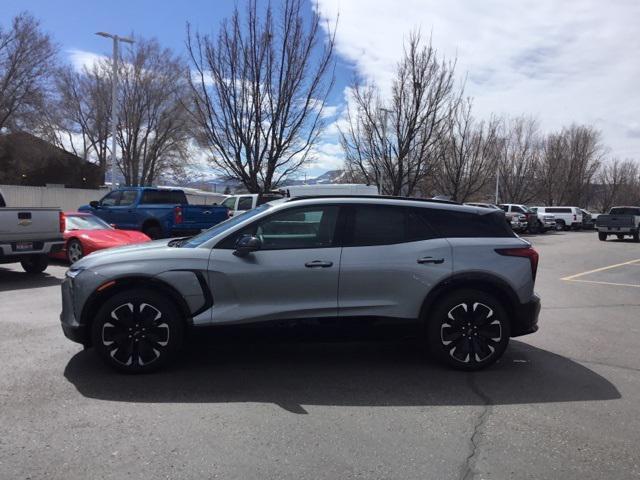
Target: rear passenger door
391,259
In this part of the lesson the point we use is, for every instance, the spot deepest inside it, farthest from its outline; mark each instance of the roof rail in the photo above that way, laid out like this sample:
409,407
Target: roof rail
374,197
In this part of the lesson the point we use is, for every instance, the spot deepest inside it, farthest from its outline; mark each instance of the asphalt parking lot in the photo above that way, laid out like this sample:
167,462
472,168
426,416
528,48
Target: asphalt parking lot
562,403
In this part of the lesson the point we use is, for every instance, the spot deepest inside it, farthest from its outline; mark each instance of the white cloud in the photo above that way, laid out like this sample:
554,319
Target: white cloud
559,61
82,58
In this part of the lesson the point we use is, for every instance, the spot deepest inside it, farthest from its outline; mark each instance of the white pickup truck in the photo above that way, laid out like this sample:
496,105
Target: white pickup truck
29,235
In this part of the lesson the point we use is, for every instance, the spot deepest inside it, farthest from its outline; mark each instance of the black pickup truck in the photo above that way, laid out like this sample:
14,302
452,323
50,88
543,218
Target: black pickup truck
621,222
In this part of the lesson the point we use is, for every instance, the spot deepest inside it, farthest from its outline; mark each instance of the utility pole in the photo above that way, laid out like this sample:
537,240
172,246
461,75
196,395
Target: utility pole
497,184
114,98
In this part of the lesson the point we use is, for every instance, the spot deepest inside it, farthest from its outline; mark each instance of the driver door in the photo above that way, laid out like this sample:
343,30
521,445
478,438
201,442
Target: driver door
293,275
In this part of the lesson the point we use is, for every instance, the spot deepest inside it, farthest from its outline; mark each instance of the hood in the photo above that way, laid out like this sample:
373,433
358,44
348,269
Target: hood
126,253
110,236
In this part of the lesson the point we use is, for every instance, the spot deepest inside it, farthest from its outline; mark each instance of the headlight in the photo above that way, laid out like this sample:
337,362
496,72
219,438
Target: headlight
73,272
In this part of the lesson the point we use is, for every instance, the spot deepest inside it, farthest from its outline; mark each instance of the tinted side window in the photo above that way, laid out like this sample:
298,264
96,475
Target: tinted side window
378,225
230,203
454,224
155,197
558,210
308,227
2,204
128,197
517,209
111,199
245,203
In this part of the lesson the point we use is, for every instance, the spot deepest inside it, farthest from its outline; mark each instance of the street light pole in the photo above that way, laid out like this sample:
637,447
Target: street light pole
114,98
497,184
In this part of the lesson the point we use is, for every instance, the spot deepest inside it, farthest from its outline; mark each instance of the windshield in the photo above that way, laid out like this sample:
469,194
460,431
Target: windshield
624,211
223,226
86,222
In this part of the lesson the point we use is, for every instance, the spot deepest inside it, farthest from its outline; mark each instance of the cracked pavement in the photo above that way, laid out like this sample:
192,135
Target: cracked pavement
564,402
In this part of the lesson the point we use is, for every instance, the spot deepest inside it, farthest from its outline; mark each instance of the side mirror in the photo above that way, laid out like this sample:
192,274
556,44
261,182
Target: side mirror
247,244
94,204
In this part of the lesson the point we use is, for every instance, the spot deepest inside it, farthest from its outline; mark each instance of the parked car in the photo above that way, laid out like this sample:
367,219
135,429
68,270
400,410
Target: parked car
158,213
588,219
28,235
241,203
621,222
460,271
566,217
546,221
534,224
518,222
85,233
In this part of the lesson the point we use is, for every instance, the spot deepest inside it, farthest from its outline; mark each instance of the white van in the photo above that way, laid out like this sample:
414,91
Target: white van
566,217
329,189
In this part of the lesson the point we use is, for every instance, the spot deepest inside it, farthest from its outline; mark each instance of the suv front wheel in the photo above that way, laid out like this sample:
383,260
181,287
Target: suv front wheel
468,330
137,331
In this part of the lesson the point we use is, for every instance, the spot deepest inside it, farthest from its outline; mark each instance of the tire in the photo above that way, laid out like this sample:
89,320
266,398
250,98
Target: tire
636,237
560,225
488,338
122,339
535,228
602,236
154,232
35,263
620,237
74,250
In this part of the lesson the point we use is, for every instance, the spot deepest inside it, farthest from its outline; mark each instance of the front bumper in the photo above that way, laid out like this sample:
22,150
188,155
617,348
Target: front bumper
70,325
525,320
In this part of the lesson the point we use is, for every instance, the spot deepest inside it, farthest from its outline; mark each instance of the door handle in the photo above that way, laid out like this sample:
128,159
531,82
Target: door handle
318,264
437,261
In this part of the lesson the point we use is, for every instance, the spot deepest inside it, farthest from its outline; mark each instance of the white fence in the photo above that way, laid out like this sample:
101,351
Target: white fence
69,199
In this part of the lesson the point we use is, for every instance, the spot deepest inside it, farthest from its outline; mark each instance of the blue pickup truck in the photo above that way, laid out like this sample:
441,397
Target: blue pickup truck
159,213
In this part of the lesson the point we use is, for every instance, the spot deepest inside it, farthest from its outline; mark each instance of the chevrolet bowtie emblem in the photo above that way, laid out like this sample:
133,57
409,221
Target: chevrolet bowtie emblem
24,222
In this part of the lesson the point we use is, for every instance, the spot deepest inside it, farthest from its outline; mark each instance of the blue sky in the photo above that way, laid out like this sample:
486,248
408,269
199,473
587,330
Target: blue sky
558,61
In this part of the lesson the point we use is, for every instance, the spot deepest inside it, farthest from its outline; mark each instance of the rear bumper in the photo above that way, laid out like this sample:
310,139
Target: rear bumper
525,320
40,247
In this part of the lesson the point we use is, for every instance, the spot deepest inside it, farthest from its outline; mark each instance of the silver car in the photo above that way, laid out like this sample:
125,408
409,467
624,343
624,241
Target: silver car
460,270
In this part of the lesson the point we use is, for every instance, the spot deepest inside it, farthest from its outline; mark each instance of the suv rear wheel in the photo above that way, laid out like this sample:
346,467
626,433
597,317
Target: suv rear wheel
137,331
35,263
468,330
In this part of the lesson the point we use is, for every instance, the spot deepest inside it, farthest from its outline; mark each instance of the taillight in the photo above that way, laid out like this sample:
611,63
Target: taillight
575,217
229,213
62,223
526,252
177,215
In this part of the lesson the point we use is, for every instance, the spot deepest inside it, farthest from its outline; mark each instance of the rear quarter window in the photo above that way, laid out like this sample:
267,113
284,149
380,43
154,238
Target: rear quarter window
156,197
456,224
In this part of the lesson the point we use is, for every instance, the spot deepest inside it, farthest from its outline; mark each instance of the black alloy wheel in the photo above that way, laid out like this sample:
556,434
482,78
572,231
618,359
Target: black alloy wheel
469,330
137,331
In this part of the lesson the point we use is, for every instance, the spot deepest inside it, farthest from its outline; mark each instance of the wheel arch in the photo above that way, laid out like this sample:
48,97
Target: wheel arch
97,298
484,282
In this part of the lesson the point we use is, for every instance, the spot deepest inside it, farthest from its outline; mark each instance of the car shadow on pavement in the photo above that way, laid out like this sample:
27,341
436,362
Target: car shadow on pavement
14,280
293,374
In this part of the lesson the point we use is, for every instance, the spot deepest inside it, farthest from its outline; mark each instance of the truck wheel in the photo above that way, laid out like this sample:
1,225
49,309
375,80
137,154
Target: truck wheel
602,236
137,331
636,237
620,237
468,330
559,225
152,231
35,264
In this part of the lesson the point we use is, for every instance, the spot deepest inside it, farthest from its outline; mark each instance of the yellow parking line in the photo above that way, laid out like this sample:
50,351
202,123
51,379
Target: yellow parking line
604,283
601,269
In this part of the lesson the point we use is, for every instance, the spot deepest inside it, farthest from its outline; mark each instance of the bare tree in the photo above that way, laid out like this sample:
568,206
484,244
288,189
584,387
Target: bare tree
153,129
518,159
79,120
391,143
466,155
617,184
569,163
259,91
27,58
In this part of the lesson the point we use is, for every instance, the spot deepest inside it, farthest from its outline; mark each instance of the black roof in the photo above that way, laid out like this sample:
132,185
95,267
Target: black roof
375,197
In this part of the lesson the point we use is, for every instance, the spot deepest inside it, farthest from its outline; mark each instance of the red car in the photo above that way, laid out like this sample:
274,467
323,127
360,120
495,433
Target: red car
86,233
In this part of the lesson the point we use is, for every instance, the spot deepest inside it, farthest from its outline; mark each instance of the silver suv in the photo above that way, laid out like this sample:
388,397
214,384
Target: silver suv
459,270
